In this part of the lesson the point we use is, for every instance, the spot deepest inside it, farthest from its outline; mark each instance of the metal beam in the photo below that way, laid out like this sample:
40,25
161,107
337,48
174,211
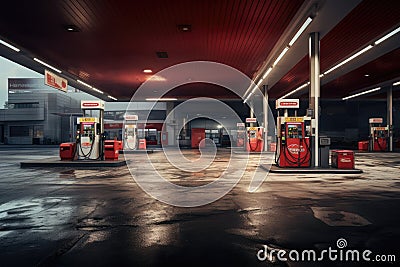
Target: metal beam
314,94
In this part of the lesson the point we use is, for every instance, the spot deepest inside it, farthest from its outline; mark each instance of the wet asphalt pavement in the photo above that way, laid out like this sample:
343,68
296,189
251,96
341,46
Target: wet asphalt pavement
101,217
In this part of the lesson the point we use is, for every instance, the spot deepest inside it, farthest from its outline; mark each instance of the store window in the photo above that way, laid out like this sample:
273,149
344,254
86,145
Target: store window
20,131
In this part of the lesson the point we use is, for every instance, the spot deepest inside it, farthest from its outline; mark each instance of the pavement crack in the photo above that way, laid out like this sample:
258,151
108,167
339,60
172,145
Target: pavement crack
65,247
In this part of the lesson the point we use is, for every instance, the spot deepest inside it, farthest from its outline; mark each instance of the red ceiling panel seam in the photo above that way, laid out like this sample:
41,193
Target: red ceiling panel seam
246,43
250,39
79,14
232,19
262,26
264,29
245,13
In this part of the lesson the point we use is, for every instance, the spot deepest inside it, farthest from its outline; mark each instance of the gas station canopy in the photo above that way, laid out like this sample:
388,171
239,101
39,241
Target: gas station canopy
114,46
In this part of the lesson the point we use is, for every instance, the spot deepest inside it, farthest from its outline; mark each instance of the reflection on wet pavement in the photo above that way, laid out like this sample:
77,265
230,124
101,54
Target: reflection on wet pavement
68,217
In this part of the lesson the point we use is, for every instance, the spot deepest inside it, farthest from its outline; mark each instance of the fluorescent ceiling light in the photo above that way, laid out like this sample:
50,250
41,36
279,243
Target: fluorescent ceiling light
362,93
295,90
300,31
267,72
85,84
387,36
97,90
161,99
396,83
113,98
147,71
9,46
258,84
280,56
349,59
47,65
321,75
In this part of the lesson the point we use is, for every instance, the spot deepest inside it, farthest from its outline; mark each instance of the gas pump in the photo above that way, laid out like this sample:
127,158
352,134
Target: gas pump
293,137
294,149
254,136
130,132
90,131
378,135
240,134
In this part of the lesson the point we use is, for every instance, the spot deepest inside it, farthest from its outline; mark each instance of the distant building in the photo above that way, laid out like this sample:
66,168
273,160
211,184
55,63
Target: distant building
36,113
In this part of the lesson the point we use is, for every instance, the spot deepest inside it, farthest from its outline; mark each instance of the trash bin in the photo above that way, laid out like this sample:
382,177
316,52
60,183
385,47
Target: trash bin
272,147
324,145
142,144
343,159
67,151
111,149
363,145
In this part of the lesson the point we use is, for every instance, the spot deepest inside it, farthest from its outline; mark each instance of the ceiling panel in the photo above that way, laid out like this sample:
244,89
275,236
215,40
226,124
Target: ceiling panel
378,71
365,23
118,39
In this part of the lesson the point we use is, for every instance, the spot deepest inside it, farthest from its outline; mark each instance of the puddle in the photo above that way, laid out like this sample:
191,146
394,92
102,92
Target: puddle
333,217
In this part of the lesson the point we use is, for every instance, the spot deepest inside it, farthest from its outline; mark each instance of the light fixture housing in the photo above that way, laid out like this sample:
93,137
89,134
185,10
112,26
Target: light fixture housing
387,36
9,46
396,83
47,65
85,84
97,90
362,51
162,99
280,56
362,93
300,31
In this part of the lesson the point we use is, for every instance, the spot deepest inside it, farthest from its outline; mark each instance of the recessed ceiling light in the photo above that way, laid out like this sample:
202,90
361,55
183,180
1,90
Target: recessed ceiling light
71,28
366,75
185,27
147,71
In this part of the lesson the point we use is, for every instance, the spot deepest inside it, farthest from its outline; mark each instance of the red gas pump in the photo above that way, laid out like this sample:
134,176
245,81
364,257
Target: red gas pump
294,148
240,134
255,141
198,134
378,135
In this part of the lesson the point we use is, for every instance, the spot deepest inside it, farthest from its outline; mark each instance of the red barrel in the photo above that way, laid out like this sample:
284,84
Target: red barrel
343,159
111,149
67,151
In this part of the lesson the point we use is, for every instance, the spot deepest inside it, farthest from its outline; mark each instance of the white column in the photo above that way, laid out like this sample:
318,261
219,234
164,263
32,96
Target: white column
265,111
389,118
314,93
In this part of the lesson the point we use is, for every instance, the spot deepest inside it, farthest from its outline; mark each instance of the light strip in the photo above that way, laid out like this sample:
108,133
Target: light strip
9,46
296,90
97,90
387,36
113,98
258,84
300,31
267,73
47,65
362,93
396,83
85,84
280,56
161,99
349,59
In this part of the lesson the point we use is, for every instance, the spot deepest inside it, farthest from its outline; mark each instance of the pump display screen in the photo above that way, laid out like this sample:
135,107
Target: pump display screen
294,131
88,130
